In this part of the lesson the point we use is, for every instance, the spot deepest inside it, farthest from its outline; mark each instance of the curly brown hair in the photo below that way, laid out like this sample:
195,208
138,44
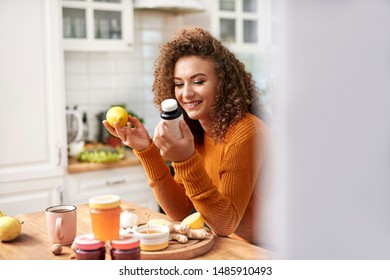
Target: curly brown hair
236,93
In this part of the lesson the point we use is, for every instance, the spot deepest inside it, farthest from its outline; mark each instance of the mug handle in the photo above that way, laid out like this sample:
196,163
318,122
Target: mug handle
59,234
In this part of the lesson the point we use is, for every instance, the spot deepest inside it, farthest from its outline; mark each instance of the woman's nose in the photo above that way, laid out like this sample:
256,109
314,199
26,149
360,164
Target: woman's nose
187,91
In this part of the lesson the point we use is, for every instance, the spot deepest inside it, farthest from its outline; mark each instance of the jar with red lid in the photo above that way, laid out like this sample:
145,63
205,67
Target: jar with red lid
125,248
89,248
105,213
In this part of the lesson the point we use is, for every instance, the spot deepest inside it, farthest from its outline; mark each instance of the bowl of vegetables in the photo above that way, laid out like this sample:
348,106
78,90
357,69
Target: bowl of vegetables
101,154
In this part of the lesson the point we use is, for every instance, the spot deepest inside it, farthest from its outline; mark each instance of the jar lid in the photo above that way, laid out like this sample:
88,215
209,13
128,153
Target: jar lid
88,242
169,105
104,201
125,242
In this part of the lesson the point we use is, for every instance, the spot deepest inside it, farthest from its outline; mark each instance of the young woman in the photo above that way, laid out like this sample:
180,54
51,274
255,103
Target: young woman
219,163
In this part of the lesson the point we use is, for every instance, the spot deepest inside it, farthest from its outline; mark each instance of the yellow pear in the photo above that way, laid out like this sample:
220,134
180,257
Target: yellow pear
2,214
10,228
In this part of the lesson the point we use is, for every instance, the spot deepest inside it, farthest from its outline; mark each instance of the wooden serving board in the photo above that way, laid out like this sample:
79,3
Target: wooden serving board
177,251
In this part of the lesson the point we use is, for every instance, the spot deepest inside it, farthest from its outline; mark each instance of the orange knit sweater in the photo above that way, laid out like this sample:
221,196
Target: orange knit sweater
221,181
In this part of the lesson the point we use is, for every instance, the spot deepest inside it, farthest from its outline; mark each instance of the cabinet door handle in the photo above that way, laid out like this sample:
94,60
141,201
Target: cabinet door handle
59,154
115,182
60,190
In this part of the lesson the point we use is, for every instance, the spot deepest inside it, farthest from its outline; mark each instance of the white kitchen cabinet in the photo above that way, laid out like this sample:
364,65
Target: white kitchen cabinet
30,196
98,25
130,183
245,25
32,110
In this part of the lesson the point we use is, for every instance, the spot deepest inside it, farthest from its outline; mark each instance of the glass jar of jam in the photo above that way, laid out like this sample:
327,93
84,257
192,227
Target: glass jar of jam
105,216
88,248
125,248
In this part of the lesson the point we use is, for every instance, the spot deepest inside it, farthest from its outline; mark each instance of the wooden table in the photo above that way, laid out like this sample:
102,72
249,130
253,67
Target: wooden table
33,244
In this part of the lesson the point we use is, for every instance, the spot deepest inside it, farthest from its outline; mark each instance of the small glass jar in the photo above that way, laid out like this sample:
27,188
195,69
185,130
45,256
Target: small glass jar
125,248
105,216
88,248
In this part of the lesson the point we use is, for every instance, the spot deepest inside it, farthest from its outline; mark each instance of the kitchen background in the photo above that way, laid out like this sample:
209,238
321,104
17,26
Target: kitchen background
335,115
94,80
85,56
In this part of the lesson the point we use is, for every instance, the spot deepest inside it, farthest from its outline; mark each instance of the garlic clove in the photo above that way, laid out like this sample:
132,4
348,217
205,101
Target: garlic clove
128,219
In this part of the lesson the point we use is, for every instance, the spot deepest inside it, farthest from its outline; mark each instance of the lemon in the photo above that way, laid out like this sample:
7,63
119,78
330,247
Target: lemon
117,114
194,221
10,228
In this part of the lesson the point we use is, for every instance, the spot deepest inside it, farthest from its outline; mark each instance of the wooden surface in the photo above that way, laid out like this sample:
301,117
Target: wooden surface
33,244
75,166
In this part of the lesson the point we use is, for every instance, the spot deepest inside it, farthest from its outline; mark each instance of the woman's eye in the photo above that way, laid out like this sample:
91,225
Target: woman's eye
178,85
198,82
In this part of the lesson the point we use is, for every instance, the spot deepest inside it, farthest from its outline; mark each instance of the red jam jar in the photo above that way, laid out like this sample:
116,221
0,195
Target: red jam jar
125,248
89,248
105,213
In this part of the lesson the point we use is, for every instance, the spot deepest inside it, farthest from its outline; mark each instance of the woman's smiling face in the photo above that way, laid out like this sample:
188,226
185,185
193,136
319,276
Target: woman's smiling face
195,87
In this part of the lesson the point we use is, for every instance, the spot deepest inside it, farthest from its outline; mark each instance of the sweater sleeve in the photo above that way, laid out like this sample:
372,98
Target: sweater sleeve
164,186
223,203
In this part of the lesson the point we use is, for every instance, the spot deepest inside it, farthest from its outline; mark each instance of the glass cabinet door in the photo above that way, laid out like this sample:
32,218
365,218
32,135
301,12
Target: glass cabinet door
249,6
239,21
97,24
227,23
250,31
228,30
250,25
74,23
227,5
107,25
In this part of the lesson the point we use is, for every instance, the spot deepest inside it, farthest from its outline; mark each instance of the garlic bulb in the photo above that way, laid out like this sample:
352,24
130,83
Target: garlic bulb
128,219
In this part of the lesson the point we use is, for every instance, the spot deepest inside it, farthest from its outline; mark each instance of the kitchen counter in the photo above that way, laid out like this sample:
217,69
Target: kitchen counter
75,166
33,244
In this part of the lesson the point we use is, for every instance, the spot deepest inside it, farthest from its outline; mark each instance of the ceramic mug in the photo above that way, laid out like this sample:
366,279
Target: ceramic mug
61,223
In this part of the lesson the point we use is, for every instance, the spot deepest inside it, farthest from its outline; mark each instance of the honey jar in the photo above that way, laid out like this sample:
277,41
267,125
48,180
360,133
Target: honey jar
105,216
125,248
